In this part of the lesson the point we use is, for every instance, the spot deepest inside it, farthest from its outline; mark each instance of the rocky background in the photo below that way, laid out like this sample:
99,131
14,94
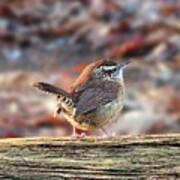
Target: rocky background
52,41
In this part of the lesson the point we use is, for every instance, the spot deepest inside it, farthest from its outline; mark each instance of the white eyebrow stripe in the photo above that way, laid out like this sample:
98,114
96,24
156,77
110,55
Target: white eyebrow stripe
109,67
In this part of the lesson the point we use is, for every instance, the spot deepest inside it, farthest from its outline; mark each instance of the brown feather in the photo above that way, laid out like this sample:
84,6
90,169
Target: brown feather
51,89
85,76
93,101
98,94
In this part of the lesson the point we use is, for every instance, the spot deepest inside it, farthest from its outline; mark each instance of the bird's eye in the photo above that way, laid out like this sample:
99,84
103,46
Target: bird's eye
109,71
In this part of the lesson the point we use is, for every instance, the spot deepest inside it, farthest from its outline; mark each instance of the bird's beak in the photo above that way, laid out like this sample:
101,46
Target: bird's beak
124,64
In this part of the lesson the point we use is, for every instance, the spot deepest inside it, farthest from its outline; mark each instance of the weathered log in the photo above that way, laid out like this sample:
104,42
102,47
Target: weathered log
126,157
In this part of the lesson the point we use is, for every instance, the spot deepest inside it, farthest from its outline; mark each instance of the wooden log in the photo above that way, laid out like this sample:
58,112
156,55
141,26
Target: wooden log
126,157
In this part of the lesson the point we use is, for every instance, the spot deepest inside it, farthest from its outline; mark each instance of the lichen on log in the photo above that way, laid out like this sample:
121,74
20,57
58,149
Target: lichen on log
126,157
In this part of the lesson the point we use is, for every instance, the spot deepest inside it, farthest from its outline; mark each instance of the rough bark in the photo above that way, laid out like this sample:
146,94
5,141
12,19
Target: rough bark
126,157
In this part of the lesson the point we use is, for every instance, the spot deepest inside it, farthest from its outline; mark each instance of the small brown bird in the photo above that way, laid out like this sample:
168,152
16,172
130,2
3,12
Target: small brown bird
96,97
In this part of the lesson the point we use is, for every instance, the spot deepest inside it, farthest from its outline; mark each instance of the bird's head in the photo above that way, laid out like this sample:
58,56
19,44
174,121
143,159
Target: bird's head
109,70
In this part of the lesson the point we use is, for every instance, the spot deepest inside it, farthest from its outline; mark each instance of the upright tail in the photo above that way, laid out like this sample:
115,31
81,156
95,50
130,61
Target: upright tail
65,101
51,89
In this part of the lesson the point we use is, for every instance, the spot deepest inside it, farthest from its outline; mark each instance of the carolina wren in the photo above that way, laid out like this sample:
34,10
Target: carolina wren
96,97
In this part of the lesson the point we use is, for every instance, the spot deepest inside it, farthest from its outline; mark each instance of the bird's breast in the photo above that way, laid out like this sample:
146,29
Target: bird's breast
110,111
101,116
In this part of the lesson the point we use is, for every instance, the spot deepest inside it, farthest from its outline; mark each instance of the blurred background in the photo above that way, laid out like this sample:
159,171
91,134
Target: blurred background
52,41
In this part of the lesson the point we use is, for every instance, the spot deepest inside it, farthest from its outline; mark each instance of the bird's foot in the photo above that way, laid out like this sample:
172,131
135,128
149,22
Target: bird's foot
77,135
106,134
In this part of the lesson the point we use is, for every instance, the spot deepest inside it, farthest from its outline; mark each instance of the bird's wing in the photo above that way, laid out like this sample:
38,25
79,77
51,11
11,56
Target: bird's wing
94,97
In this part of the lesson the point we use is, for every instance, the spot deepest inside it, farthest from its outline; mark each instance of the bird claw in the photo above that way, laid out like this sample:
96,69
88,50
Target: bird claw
76,135
106,135
79,136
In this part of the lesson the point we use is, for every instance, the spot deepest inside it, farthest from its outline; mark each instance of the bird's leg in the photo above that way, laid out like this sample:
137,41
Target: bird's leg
74,132
106,134
76,135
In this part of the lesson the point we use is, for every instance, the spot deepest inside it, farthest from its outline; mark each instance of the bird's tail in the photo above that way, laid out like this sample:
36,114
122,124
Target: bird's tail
65,101
51,89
